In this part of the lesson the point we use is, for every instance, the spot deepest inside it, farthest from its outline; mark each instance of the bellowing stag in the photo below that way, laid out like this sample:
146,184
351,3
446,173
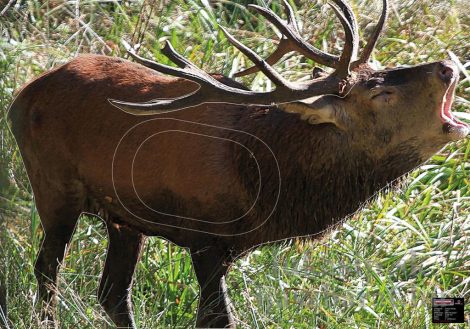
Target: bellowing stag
232,168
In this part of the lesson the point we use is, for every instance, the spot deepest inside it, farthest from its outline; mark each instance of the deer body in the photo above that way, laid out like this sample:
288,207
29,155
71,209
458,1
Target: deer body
197,164
218,178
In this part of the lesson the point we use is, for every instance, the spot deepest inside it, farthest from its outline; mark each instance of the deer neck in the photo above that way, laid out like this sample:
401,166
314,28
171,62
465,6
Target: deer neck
322,179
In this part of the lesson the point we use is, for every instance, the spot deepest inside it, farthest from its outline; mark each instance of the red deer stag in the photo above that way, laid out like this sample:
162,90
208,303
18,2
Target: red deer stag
233,168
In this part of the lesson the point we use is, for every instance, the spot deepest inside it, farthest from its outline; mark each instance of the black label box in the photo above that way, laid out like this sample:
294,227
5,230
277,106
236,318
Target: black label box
448,310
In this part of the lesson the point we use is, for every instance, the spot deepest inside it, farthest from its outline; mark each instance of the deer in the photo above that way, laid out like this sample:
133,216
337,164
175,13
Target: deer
208,164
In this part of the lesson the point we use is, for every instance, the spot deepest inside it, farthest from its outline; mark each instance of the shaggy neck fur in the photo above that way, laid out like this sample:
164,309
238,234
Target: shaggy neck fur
323,178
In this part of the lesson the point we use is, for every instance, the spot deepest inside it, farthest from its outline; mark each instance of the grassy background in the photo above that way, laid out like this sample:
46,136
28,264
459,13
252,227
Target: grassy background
379,270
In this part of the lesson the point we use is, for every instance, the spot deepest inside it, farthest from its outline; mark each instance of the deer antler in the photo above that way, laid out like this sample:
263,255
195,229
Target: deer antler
212,90
287,45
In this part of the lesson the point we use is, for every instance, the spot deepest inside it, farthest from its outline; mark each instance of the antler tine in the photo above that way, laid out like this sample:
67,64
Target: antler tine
289,11
351,18
291,40
350,43
283,48
262,65
192,72
158,106
373,39
176,58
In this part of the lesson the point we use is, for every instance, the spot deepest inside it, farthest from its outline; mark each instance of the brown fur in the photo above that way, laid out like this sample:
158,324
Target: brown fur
203,163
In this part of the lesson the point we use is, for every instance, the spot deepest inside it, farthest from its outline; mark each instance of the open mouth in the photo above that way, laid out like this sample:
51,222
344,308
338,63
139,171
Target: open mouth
452,125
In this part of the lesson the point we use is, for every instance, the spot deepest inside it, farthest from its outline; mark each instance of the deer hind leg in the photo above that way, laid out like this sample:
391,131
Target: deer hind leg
59,214
214,311
114,292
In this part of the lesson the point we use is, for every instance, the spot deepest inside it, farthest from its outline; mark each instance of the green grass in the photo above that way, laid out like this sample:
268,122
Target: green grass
378,270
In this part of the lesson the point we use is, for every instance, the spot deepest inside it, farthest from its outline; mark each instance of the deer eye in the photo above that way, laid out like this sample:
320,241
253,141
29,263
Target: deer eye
381,95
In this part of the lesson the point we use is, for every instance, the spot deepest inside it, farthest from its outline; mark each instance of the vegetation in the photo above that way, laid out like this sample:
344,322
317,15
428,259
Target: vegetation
380,269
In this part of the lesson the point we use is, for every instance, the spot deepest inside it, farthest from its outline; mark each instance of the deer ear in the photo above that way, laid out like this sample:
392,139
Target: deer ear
317,112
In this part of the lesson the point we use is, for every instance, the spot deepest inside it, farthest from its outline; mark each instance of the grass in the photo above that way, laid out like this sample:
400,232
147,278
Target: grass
378,270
